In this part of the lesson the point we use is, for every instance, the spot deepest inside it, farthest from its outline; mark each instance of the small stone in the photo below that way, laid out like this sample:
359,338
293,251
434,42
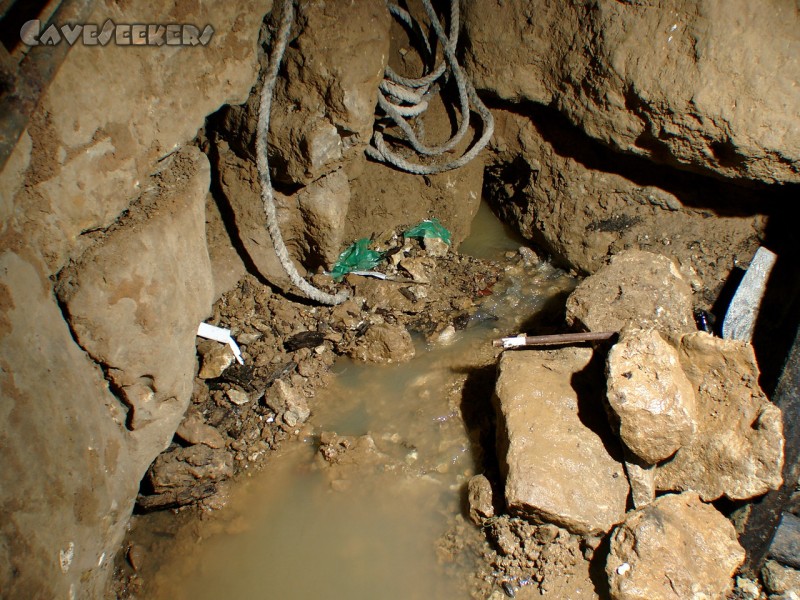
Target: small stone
135,556
479,492
747,589
445,336
194,430
779,579
238,397
642,479
215,361
650,395
385,343
676,548
435,246
418,268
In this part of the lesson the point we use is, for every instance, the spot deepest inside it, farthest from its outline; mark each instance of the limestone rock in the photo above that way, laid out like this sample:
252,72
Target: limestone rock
479,492
384,343
238,397
673,549
573,199
288,403
554,440
135,298
650,395
70,469
779,579
636,289
100,132
679,84
642,479
195,430
183,467
737,450
324,107
214,359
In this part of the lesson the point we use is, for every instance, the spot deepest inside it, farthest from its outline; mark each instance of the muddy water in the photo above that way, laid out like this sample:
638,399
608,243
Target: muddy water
367,526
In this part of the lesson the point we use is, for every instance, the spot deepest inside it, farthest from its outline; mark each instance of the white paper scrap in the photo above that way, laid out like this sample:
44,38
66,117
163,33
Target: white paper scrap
219,334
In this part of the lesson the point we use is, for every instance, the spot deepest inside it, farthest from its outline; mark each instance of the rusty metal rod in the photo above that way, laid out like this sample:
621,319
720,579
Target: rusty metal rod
553,339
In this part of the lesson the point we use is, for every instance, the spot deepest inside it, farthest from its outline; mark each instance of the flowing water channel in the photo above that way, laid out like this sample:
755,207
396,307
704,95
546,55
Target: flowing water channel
369,525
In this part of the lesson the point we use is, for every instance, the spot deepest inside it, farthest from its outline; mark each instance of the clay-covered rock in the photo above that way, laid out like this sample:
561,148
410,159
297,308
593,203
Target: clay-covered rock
779,579
70,469
673,549
682,84
582,204
479,495
554,441
136,297
384,343
650,395
636,289
737,449
324,100
194,430
104,123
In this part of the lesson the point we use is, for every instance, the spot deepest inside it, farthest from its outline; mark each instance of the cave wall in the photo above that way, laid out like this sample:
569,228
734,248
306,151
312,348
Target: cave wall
618,125
95,380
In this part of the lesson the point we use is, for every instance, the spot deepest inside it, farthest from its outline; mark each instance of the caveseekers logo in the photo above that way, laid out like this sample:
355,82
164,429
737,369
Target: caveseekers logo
138,34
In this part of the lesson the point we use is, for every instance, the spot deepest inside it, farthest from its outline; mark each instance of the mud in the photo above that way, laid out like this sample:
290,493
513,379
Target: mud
395,444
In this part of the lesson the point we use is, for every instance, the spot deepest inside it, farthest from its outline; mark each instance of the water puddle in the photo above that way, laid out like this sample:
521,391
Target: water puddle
366,523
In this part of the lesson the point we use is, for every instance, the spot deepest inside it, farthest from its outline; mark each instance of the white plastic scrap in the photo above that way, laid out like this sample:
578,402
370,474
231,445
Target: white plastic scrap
218,334
623,568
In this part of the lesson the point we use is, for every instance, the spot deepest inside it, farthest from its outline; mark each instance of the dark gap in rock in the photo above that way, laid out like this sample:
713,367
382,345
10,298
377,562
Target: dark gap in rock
694,190
590,388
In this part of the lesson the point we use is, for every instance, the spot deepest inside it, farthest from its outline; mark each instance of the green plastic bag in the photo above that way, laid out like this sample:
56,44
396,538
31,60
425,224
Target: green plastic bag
358,257
429,228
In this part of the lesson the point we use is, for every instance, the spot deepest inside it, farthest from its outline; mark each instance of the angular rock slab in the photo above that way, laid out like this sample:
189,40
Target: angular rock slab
679,83
676,548
737,450
136,297
650,395
636,288
557,468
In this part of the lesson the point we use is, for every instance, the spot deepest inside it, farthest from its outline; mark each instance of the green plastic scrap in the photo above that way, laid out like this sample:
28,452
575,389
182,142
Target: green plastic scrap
429,228
357,257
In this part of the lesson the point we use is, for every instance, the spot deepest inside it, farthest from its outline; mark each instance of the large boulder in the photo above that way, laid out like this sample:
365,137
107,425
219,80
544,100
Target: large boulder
673,549
707,86
650,396
737,449
136,297
554,442
636,289
70,469
110,114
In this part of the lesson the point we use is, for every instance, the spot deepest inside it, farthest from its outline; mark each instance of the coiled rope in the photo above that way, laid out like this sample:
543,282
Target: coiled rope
267,196
399,97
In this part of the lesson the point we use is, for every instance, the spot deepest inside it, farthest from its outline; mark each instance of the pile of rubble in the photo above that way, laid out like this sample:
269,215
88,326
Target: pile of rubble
629,446
239,413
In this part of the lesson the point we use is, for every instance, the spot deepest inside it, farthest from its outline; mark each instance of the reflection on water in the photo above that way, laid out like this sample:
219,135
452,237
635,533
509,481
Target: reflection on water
367,527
